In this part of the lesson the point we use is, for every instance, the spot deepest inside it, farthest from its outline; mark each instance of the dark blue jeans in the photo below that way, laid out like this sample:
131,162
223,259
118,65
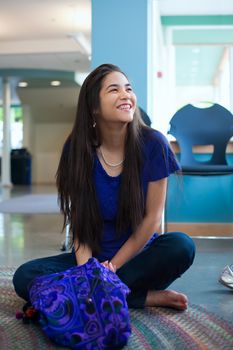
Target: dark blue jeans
154,268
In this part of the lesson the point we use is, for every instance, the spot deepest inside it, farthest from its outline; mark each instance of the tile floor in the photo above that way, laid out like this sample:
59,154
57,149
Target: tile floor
24,237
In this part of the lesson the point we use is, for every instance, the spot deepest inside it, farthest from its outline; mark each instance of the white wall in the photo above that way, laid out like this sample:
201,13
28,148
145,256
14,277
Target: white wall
49,116
222,81
193,94
159,76
49,139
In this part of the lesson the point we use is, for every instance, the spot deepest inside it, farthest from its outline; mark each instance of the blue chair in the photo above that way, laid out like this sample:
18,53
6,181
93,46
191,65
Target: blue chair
192,126
145,117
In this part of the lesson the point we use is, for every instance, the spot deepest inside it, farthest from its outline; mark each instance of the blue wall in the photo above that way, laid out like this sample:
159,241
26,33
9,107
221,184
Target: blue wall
119,36
200,198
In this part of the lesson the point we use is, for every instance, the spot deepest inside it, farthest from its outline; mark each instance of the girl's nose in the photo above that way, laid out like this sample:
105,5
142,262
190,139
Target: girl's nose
124,94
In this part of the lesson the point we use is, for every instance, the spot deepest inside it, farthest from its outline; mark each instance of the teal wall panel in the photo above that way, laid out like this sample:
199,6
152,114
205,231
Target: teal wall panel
197,20
119,36
200,198
203,37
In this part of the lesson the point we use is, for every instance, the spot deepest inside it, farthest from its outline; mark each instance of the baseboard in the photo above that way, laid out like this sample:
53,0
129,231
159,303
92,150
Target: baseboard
202,229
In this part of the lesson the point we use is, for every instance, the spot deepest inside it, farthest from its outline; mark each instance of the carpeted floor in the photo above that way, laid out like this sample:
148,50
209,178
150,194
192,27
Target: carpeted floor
152,328
31,203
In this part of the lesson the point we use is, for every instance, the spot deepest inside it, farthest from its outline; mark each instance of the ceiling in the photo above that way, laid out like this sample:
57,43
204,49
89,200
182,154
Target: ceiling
193,65
45,34
37,36
195,7
56,35
200,30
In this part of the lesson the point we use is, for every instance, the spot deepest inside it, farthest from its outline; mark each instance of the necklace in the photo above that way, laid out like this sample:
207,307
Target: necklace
113,165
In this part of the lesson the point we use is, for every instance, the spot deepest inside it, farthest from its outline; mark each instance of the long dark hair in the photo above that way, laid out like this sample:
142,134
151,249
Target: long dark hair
74,178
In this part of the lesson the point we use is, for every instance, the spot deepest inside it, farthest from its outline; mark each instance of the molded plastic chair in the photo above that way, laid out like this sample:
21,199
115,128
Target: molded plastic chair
192,126
145,117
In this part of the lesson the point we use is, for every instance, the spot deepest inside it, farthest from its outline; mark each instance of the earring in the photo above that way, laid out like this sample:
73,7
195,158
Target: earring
94,124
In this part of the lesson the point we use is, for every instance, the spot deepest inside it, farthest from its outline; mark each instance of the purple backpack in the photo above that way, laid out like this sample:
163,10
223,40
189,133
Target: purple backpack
83,308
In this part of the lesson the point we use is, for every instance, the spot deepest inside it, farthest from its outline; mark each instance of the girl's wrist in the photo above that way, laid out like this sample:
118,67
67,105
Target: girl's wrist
113,266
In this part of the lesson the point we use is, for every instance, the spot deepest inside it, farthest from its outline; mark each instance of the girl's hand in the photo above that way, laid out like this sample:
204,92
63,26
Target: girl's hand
109,265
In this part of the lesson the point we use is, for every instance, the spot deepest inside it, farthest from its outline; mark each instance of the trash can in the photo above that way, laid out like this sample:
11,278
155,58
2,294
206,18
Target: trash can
21,167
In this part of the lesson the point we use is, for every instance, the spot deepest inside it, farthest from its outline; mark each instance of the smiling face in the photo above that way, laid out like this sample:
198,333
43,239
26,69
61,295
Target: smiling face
117,99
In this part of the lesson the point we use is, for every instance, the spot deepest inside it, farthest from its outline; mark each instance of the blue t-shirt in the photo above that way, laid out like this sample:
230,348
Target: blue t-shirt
158,162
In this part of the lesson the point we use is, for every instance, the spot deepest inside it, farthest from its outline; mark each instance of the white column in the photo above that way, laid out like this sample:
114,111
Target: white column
158,88
6,158
171,73
150,63
26,127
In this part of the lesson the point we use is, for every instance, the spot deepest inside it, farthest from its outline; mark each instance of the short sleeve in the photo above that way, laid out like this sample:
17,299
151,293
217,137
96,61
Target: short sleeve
160,161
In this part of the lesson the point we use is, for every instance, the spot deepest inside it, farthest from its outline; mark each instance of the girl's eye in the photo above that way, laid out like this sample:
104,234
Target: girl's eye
129,89
113,90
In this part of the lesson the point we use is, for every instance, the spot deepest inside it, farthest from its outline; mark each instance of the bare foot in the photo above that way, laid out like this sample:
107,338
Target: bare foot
167,298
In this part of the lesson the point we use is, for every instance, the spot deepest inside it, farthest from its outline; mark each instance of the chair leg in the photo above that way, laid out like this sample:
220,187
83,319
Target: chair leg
66,243
163,222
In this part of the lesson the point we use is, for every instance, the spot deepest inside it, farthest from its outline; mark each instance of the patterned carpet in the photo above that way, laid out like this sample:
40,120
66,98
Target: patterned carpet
152,328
